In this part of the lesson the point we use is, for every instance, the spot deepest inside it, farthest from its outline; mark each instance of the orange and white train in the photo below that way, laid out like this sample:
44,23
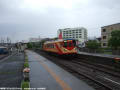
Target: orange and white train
61,47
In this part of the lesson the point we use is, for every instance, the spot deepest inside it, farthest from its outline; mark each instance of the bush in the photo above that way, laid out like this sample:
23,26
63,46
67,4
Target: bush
24,85
93,44
26,64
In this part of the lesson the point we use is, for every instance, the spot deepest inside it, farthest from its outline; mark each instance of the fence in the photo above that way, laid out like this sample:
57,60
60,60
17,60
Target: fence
100,50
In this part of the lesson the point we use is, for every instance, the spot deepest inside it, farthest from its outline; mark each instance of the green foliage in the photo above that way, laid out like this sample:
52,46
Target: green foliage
114,41
29,45
92,44
55,38
33,45
41,43
26,65
26,62
25,85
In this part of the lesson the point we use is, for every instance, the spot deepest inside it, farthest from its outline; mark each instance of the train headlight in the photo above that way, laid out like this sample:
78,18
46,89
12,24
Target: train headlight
65,49
75,48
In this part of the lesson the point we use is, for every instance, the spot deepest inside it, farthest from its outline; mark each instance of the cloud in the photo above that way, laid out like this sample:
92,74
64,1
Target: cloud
21,19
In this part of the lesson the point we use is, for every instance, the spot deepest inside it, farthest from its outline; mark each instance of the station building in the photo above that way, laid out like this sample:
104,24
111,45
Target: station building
79,34
106,33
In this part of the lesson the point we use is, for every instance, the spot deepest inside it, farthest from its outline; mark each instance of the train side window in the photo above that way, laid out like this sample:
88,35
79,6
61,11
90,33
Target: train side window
52,45
61,45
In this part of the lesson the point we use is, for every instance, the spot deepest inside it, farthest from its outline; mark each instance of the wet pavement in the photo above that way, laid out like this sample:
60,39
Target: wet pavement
11,70
47,75
3,56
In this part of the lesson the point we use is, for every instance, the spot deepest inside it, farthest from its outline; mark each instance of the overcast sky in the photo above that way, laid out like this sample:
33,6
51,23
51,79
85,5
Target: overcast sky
21,19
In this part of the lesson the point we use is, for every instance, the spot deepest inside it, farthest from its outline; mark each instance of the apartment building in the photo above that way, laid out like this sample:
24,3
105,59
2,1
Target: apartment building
79,34
106,33
35,39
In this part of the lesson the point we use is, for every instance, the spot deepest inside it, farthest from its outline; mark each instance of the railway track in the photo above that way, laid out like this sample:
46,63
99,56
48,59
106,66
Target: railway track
90,74
99,67
100,76
74,70
109,63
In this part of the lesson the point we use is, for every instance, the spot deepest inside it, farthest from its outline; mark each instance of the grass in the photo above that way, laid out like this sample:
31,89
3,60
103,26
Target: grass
110,53
26,65
25,85
26,58
7,72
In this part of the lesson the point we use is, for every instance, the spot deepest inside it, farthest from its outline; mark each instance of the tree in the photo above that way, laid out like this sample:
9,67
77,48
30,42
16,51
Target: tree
55,38
114,41
29,45
41,43
92,44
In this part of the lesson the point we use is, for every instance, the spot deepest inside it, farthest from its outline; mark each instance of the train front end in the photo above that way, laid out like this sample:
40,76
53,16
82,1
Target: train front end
69,47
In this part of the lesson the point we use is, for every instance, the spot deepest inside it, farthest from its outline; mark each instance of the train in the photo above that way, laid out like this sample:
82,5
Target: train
61,47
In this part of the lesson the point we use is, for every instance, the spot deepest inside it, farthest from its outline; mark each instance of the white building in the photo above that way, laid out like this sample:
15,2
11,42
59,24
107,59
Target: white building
35,39
79,34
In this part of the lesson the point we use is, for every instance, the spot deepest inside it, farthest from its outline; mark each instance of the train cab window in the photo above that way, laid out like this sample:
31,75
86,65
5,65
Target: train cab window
74,42
50,46
70,44
65,44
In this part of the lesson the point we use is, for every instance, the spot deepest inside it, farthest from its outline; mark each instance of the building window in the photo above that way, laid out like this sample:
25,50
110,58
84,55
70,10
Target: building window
80,37
111,28
104,37
104,30
104,44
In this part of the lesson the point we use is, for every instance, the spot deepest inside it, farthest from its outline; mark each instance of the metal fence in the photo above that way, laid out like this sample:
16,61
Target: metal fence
100,50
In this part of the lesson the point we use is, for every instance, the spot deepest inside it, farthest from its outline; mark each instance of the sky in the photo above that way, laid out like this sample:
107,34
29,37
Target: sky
22,19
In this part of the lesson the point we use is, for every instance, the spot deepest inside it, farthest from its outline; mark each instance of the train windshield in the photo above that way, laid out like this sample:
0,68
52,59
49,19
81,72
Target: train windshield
70,43
65,44
74,42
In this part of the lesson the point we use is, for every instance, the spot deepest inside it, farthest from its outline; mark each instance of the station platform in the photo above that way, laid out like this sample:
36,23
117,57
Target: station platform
48,76
99,55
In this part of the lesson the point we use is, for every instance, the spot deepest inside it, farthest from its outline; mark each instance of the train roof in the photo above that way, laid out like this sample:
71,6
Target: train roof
69,39
59,40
